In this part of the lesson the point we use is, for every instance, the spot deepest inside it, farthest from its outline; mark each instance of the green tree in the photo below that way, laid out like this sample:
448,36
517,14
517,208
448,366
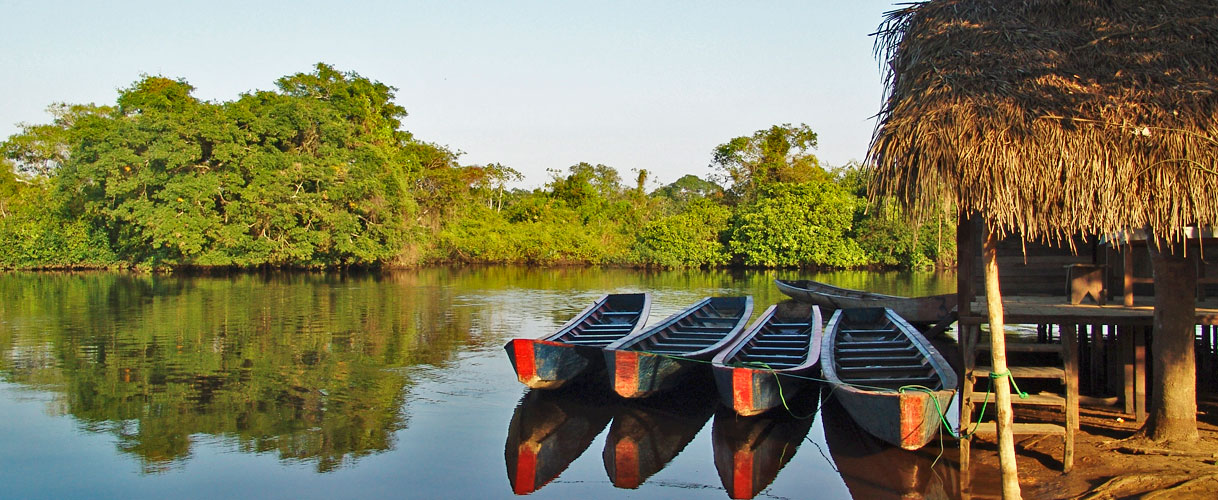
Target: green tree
689,187
797,225
691,238
316,174
780,153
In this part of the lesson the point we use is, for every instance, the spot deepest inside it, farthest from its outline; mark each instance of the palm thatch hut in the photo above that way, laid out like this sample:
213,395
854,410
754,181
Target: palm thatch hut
1052,118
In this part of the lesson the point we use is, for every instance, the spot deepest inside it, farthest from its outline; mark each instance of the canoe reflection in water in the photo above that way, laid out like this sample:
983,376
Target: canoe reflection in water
873,469
648,433
549,430
750,451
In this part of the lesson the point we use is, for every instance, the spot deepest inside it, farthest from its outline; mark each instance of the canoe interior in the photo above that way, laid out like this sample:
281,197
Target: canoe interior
606,322
781,342
871,350
696,329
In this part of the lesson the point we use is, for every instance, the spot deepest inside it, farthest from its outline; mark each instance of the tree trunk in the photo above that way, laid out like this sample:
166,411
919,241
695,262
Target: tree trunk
1002,385
1173,405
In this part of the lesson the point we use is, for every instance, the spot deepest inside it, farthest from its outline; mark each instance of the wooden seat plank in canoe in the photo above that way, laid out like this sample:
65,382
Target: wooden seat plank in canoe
783,337
785,357
878,351
894,382
781,344
871,344
774,350
693,334
593,336
880,360
690,338
849,370
679,347
699,329
608,326
589,342
775,364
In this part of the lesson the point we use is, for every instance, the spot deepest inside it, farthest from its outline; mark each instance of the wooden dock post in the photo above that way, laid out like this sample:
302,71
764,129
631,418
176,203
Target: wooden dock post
1002,384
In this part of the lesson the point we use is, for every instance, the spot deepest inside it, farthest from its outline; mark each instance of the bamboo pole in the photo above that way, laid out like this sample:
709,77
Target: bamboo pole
1002,386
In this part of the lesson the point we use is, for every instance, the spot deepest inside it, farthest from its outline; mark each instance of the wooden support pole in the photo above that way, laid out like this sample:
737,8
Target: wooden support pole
1127,254
1069,336
1002,386
1125,333
1139,375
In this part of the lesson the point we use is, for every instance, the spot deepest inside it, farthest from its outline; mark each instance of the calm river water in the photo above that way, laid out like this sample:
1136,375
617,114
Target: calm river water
393,385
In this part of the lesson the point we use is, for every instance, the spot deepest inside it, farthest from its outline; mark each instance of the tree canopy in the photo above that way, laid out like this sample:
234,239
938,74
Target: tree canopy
320,173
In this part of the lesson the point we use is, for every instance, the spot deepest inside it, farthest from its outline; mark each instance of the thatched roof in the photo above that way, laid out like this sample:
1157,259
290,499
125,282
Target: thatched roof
1053,117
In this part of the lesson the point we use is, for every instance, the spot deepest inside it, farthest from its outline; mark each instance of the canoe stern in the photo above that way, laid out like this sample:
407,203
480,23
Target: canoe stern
920,418
639,374
542,364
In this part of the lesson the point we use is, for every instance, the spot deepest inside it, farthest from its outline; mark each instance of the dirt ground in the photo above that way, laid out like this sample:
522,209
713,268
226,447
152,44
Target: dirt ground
1107,465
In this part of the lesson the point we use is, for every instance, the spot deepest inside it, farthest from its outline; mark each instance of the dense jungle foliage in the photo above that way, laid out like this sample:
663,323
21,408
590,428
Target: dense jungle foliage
320,173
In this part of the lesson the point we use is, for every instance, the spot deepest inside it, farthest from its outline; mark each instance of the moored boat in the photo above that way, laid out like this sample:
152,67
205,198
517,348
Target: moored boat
875,470
772,361
657,359
889,378
921,311
574,350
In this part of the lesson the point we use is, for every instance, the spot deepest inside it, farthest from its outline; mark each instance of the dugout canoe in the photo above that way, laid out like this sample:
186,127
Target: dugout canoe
921,311
886,375
770,362
656,359
876,470
574,351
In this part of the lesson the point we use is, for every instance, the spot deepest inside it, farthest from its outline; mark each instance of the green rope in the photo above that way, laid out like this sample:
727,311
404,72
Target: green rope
781,397
1007,374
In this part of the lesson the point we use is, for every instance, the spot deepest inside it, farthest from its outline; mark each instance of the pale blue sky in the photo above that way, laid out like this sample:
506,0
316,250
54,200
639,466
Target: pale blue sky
530,84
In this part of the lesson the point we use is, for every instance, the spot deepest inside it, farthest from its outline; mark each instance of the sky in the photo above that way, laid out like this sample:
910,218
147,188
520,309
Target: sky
533,85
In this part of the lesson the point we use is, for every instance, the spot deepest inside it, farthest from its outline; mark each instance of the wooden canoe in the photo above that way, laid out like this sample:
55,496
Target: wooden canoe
658,358
574,351
877,470
921,311
771,361
750,452
886,375
548,431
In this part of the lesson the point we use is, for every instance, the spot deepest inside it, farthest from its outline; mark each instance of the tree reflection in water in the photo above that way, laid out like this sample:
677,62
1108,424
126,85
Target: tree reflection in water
307,366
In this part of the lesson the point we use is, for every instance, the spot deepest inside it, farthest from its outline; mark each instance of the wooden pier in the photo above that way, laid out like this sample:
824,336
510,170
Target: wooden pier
1079,318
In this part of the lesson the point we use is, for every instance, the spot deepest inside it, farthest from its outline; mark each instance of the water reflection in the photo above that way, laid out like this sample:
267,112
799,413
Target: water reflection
750,451
549,430
873,469
646,434
290,364
309,385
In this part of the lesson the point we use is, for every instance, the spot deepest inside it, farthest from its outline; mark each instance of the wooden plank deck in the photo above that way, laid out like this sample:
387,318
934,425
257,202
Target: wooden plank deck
1055,310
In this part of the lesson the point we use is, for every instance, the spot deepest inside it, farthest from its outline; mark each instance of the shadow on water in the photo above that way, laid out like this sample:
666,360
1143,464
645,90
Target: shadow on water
751,451
873,469
549,430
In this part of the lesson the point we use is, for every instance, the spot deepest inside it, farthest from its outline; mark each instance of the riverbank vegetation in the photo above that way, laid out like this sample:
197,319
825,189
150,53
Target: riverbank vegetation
320,173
